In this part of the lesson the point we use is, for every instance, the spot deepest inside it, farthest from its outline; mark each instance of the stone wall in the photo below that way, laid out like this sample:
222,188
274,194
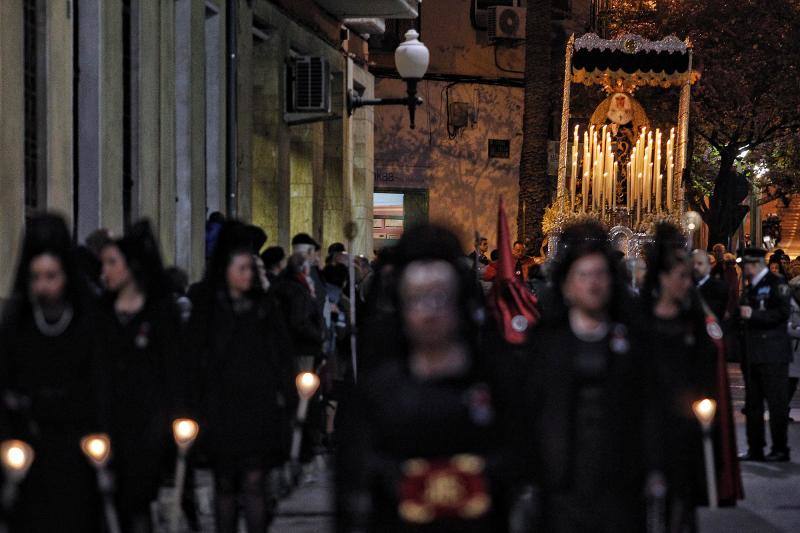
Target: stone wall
464,183
310,178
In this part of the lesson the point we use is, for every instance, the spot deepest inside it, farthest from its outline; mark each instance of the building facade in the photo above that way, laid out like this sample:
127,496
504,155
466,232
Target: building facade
465,152
114,110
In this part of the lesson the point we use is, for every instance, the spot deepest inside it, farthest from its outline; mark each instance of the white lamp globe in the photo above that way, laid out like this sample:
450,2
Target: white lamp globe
411,57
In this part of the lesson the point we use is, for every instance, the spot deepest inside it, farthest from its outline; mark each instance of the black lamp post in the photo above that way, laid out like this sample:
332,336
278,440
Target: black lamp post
411,59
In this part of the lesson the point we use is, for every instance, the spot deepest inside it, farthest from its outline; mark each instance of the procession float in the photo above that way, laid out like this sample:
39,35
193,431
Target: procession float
618,168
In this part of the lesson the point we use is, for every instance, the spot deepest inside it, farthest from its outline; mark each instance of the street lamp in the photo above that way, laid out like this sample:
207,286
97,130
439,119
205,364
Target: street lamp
705,410
17,458
411,60
184,431
97,448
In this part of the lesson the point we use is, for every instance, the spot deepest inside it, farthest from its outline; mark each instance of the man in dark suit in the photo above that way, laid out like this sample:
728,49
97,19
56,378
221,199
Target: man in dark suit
764,310
713,291
479,253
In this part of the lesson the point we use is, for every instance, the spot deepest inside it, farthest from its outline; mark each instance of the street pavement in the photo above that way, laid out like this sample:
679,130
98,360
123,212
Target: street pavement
771,490
771,504
309,509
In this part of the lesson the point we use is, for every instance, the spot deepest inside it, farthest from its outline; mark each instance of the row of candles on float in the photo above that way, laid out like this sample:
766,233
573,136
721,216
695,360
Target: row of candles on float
600,172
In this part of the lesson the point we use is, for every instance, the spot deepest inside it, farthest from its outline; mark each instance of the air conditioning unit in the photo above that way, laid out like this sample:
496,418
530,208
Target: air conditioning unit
506,23
308,85
480,10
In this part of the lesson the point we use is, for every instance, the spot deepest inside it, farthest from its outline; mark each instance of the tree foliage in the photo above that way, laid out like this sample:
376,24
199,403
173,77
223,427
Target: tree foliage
746,106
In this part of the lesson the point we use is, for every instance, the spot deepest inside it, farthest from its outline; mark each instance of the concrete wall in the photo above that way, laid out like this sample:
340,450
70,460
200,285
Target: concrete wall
312,178
100,116
59,112
456,46
300,178
463,182
360,162
190,136
12,168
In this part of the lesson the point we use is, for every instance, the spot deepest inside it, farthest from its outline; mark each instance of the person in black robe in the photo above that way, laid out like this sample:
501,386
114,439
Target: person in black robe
48,382
684,356
714,291
142,327
421,437
243,381
587,442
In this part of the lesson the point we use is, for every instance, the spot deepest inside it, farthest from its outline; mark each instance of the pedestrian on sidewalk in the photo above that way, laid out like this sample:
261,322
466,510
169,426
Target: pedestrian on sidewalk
142,328
243,382
49,351
764,313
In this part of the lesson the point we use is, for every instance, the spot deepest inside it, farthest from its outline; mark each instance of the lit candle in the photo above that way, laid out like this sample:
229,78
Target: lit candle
657,170
614,185
610,170
670,163
645,176
598,175
603,139
649,171
574,174
587,158
632,178
629,189
639,205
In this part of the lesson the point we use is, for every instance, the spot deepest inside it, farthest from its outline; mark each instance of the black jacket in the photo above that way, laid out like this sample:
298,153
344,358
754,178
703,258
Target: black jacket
683,355
139,393
765,334
302,314
715,293
394,417
550,398
49,397
243,381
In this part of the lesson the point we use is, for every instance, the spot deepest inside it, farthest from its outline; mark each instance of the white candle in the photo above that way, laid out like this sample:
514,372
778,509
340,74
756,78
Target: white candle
614,185
639,205
657,170
574,174
670,167
629,188
587,158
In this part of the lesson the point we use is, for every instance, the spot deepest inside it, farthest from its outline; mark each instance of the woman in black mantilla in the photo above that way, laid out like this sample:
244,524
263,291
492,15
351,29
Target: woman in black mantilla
243,380
48,352
683,356
142,327
587,445
421,437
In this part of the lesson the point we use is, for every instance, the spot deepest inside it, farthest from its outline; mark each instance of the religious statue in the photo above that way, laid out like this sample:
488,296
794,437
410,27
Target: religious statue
625,118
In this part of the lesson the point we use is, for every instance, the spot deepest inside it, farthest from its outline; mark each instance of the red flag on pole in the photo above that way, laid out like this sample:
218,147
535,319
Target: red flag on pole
729,476
511,303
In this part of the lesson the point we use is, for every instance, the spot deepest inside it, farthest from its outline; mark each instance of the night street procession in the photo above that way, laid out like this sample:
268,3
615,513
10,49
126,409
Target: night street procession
393,266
